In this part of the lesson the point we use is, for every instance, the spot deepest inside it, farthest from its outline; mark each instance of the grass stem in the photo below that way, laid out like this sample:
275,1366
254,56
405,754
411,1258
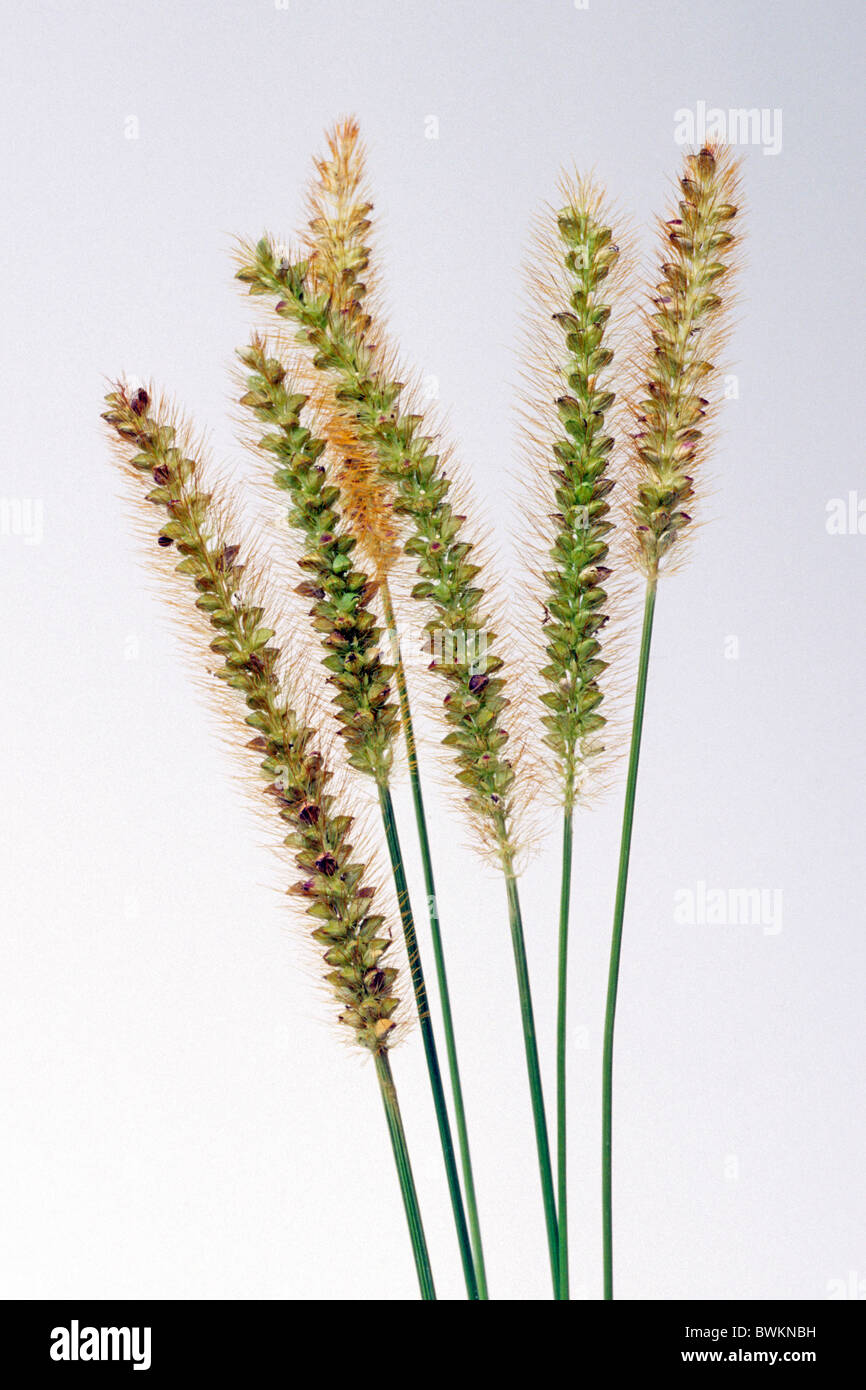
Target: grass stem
534,1071
438,947
404,1173
561,1049
430,1052
616,939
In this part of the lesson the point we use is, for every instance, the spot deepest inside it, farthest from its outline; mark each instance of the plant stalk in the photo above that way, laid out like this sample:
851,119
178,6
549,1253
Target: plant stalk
404,1173
423,1007
438,946
616,939
561,1049
532,1066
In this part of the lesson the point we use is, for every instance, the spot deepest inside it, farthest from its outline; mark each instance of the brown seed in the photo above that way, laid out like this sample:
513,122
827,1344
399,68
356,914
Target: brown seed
227,556
140,401
326,864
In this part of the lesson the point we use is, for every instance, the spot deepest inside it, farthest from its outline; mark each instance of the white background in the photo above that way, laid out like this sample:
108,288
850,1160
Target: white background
179,1119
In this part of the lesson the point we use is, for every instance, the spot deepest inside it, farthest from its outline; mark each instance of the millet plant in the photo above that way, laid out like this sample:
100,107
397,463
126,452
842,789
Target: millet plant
378,526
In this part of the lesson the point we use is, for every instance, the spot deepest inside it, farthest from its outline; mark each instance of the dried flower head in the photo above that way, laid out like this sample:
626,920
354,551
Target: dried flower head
332,883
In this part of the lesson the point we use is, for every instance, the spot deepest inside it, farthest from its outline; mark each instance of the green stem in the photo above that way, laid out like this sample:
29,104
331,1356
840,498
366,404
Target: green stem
616,939
428,1039
404,1173
438,946
532,1067
561,1134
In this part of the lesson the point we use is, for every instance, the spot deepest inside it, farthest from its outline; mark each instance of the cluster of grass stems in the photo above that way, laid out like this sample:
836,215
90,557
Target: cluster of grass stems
377,521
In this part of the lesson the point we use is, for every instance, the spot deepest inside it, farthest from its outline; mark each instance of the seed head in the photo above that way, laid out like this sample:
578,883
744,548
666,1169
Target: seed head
573,267
342,594
352,938
685,326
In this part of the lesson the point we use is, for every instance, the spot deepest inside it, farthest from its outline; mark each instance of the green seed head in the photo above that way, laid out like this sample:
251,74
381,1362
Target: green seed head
576,482
341,593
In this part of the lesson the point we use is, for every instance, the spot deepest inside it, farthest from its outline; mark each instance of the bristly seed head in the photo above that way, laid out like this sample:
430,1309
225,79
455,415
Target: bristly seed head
351,937
577,482
688,315
341,593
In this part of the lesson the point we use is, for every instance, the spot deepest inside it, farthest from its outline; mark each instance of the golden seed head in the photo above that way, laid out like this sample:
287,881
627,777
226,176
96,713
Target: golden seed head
685,324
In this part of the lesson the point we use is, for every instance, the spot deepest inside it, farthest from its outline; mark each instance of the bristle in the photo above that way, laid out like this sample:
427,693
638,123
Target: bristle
685,325
341,594
333,884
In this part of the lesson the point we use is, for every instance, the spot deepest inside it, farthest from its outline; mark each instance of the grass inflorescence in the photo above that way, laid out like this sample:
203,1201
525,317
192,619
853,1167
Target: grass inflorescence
580,484
570,447
341,594
333,885
686,324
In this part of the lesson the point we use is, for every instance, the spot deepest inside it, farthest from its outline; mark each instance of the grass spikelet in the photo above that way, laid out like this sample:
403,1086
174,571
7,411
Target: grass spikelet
332,885
341,593
686,326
